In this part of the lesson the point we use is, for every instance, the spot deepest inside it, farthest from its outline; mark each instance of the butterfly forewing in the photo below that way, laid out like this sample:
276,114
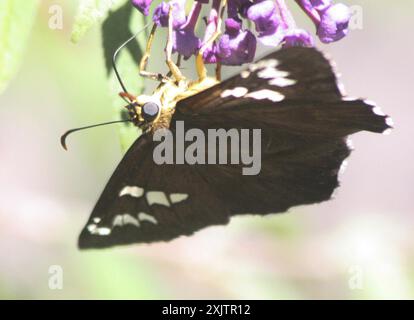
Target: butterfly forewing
290,74
293,98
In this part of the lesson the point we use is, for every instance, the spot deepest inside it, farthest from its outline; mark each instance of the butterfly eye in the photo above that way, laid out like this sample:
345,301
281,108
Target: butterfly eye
150,111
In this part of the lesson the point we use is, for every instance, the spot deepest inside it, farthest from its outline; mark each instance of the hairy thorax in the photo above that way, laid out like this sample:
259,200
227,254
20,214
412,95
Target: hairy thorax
168,94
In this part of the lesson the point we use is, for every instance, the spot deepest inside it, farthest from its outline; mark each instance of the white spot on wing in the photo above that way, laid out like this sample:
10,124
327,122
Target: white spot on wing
128,219
389,121
350,144
178,197
378,111
93,229
142,216
245,74
124,219
266,94
104,231
267,63
118,221
236,92
349,98
133,191
158,197
282,82
370,103
271,73
343,167
341,88
96,220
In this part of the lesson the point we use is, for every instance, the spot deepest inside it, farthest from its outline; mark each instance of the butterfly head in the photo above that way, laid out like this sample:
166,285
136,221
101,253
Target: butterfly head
155,111
144,113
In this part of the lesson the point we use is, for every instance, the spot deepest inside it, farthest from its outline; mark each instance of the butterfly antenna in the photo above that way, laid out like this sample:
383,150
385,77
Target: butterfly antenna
116,54
65,135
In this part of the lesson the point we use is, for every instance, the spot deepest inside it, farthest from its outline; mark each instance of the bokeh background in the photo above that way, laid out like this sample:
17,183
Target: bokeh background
360,245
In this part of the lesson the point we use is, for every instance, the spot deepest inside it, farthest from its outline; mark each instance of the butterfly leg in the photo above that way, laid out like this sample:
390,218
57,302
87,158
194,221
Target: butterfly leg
218,71
200,66
177,63
144,60
174,69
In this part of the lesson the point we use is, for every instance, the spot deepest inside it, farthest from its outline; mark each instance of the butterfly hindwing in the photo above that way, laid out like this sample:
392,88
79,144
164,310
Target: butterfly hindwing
146,202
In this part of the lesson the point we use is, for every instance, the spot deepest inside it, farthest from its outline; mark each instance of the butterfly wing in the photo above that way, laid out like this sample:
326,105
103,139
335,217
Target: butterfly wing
293,97
146,202
299,74
295,88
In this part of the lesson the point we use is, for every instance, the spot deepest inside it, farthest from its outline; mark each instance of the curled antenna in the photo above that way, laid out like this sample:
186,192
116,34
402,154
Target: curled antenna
65,135
124,95
116,54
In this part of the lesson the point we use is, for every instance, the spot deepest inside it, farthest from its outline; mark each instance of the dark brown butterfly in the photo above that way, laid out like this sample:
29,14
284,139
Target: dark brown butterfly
291,95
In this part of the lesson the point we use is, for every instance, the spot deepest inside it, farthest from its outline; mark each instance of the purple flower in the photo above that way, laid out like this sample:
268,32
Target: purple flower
142,5
320,4
309,7
273,22
161,12
160,16
236,46
264,15
238,7
185,41
266,19
210,53
334,23
233,25
298,38
331,20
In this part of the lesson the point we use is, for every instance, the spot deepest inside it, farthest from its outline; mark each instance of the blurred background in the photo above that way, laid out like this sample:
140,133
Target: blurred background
360,245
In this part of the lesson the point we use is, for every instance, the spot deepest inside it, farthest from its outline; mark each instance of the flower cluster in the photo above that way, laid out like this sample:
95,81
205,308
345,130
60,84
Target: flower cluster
273,26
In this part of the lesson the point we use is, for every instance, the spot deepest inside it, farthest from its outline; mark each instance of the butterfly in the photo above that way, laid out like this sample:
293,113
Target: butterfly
292,95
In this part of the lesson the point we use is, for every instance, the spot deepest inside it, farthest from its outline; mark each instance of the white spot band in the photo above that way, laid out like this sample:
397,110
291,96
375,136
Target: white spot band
133,191
157,197
237,92
266,94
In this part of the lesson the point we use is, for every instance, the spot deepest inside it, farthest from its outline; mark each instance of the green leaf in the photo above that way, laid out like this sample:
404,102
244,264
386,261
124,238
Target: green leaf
91,12
16,20
119,18
119,26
